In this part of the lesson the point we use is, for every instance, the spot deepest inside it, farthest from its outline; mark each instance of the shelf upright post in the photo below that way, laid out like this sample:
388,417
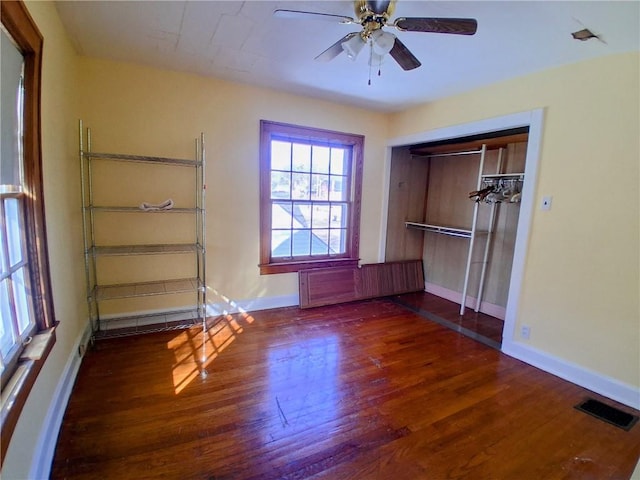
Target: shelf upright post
203,229
472,238
85,240
487,245
92,256
202,244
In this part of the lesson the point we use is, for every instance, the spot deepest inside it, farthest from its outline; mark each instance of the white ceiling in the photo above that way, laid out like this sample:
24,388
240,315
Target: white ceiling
244,42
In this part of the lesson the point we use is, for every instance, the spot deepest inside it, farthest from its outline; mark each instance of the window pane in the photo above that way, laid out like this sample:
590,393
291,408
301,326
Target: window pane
301,243
21,293
280,185
337,161
280,155
281,215
338,241
320,187
301,157
321,159
7,337
320,242
281,243
321,216
338,216
301,186
11,67
301,215
338,191
14,226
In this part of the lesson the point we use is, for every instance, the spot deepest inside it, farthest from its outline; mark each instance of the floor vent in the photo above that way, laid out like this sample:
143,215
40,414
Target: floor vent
608,413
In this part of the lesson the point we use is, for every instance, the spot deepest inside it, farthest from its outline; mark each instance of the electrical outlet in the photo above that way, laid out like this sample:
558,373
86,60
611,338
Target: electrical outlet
81,350
525,332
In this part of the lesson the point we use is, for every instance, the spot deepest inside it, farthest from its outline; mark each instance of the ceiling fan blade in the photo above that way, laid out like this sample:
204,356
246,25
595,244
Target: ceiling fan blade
456,26
296,14
336,49
403,56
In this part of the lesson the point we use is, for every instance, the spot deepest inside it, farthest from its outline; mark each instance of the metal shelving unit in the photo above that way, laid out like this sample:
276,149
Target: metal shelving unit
143,322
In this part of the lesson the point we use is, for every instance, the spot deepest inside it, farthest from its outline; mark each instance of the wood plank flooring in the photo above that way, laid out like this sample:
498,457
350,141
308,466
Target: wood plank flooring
479,326
367,390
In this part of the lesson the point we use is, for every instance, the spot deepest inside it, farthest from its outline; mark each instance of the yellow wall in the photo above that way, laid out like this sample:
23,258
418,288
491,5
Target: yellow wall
62,194
140,110
581,282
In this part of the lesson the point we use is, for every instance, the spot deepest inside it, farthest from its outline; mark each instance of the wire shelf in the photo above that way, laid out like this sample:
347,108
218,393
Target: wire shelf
128,325
141,159
146,289
163,249
140,210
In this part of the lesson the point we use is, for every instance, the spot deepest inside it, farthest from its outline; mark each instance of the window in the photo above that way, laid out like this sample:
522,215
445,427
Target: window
26,326
310,189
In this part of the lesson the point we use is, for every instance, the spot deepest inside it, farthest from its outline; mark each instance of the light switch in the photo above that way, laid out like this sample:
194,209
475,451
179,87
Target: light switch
546,203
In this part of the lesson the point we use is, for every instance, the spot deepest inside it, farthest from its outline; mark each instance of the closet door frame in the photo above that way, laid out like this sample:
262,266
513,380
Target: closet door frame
533,119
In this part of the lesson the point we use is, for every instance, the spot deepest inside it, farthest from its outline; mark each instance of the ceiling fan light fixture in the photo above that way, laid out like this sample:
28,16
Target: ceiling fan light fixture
353,46
382,42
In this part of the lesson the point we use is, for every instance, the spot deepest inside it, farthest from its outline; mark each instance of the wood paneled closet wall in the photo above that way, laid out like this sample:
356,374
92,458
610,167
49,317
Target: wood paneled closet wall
434,190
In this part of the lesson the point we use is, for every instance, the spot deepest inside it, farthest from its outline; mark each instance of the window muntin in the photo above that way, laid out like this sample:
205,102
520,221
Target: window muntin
311,186
313,220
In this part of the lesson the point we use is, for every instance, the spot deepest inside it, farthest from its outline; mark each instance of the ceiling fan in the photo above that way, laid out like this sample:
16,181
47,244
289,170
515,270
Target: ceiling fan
373,15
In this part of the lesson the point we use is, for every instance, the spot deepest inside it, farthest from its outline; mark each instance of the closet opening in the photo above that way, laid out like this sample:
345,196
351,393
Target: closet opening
455,204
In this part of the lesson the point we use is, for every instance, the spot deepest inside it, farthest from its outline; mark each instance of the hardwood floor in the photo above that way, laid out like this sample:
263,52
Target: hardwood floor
479,326
367,390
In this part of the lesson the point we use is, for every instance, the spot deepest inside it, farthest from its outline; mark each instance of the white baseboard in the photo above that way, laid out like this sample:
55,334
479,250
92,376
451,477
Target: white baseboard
46,444
453,296
252,305
594,381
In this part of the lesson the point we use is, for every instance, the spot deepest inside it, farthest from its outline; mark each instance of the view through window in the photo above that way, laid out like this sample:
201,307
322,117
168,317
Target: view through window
310,195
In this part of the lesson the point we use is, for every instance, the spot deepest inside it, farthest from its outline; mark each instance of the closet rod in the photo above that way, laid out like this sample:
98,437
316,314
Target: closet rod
450,154
454,232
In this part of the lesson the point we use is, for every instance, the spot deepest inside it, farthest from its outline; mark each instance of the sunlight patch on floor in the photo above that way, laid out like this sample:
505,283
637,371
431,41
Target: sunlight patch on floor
193,355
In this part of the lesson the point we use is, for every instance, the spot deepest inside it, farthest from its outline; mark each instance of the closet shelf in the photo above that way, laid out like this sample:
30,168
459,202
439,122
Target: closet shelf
141,159
444,230
145,289
139,210
158,249
503,176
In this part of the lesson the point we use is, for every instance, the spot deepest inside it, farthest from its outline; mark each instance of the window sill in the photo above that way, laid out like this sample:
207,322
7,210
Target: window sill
16,392
288,267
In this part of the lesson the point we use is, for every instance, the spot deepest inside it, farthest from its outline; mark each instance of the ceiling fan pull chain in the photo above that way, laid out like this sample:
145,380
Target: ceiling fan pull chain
370,58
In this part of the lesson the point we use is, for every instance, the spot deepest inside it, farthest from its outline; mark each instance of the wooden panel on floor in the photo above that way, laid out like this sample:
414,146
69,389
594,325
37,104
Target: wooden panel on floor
365,390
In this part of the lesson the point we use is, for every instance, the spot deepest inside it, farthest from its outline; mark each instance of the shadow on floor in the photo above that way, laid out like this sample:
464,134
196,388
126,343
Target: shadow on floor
479,326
